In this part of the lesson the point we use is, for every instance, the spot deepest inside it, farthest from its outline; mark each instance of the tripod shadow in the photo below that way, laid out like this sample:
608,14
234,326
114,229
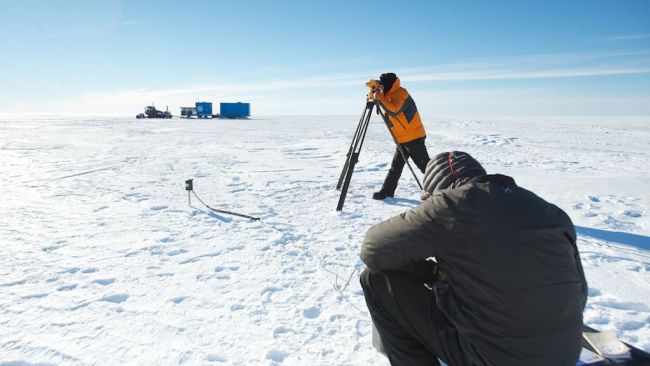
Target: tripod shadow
635,240
211,214
404,202
219,217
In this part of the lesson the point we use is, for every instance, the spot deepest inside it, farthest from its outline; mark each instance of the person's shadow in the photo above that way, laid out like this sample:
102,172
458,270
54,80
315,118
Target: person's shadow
635,240
402,202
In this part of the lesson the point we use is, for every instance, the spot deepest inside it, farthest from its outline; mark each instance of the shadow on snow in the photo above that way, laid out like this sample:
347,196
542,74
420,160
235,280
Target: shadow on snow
402,202
635,240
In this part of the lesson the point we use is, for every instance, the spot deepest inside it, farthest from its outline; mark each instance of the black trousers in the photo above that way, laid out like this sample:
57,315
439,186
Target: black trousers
413,330
417,151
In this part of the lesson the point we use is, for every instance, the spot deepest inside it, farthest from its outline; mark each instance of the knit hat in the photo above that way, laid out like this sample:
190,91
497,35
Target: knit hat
450,170
387,80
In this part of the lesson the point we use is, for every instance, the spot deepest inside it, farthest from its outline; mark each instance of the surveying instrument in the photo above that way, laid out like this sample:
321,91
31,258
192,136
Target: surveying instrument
357,142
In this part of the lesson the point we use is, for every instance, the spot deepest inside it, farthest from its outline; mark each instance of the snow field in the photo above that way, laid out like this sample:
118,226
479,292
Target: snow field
105,263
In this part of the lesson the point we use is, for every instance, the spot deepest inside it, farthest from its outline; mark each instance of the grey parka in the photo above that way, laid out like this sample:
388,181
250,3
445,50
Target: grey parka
514,286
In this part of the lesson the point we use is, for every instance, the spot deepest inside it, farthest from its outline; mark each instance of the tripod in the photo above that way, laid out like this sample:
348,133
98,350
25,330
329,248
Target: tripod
355,149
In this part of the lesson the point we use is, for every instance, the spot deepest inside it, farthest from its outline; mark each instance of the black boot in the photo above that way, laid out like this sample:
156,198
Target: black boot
390,183
382,194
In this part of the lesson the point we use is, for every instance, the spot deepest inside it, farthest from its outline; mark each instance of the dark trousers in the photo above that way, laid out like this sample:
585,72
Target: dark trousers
412,328
417,151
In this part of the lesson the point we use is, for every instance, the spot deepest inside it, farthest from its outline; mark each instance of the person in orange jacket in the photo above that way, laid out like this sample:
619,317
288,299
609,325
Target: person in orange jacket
406,126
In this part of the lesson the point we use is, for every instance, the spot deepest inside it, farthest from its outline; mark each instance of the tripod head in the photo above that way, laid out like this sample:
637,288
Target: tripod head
374,86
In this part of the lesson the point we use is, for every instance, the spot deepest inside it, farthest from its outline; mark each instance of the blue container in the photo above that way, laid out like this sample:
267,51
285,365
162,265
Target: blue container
235,110
203,110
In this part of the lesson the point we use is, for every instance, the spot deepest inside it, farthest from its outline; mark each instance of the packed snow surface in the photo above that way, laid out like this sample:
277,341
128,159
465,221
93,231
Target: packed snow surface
105,263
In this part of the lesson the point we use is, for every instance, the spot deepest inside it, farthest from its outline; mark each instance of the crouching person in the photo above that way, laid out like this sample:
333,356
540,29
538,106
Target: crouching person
506,288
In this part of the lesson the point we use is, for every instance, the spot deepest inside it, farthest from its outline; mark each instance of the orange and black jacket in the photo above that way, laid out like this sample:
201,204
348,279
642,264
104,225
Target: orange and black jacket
402,113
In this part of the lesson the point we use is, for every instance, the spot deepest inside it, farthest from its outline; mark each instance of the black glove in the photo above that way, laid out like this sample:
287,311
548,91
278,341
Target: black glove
425,272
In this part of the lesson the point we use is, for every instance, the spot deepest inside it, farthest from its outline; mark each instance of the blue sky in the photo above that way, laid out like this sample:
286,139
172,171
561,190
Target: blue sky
515,57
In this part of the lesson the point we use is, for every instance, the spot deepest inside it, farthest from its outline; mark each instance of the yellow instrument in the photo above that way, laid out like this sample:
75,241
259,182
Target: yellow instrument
374,86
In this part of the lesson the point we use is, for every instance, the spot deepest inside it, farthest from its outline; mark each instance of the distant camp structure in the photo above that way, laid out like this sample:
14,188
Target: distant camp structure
200,110
152,112
234,110
203,110
226,110
188,112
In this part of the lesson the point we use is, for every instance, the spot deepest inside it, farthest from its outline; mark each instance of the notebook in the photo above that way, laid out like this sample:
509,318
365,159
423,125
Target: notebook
607,345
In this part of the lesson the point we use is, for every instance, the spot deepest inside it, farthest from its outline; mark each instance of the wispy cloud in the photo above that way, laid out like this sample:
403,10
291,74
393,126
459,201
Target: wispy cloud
85,30
524,74
263,91
269,92
528,101
537,66
630,37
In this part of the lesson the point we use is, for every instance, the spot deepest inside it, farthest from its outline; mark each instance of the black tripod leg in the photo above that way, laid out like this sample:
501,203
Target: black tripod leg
352,147
346,183
354,156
